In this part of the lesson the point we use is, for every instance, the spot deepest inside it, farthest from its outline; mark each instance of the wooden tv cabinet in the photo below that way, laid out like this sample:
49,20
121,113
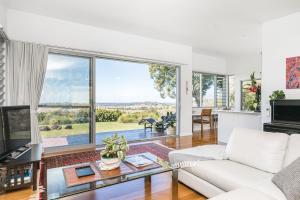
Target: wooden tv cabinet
20,172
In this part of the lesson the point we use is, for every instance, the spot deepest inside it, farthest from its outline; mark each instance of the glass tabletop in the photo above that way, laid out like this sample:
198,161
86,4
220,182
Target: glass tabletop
58,187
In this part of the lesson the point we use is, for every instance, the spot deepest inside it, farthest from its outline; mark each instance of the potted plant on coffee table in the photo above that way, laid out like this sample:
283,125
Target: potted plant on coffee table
115,151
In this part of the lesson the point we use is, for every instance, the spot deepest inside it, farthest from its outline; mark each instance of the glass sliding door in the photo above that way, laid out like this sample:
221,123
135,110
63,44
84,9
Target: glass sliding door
64,112
132,96
86,98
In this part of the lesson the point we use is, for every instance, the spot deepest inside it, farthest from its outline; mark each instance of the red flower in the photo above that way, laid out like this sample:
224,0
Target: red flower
253,89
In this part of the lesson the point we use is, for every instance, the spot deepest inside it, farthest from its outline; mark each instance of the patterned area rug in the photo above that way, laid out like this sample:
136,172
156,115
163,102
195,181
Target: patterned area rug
92,156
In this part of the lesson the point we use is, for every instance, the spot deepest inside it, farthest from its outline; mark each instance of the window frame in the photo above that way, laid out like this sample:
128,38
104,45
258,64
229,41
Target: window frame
55,149
215,88
93,56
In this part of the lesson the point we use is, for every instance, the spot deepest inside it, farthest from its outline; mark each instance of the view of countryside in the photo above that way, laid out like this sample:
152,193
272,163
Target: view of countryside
125,94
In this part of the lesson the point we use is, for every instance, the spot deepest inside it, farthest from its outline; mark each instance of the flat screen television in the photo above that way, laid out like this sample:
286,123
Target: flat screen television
286,111
15,128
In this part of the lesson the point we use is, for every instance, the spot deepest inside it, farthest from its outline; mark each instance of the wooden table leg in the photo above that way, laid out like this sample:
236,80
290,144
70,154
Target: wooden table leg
175,184
34,175
44,170
147,186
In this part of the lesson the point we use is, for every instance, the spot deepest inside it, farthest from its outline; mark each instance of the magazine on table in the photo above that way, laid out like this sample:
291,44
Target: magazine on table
138,160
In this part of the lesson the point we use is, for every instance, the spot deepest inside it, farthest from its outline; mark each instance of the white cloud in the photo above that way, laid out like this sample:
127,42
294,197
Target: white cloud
58,63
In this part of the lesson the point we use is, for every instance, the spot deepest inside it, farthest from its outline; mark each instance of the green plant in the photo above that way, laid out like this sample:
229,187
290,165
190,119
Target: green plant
115,147
252,94
277,95
128,118
159,125
171,123
105,115
170,120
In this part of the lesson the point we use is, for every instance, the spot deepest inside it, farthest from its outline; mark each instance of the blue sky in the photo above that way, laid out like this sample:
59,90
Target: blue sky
67,80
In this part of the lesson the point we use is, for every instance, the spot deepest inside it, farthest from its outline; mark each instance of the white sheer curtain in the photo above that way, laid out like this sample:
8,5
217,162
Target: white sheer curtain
26,68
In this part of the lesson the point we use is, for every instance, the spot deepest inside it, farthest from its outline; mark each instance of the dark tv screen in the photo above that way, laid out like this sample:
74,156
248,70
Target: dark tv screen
289,113
15,128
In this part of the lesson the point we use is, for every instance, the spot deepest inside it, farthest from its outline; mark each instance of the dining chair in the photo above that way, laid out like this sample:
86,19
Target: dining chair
205,118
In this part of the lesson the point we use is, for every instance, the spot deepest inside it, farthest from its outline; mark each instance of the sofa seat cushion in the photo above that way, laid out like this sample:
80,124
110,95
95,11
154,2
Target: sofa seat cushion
293,151
262,150
268,187
228,175
243,194
205,152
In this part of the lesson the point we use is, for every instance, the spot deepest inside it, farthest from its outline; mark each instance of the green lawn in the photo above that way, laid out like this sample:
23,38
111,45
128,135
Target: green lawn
84,128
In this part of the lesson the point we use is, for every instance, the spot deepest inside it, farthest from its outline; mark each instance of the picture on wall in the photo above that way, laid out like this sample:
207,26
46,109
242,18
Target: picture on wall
293,73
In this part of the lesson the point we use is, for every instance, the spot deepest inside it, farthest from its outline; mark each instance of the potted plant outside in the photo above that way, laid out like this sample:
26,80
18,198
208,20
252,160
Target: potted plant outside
171,127
115,151
159,126
170,122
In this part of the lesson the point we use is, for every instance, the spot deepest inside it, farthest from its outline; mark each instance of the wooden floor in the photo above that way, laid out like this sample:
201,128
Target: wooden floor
158,189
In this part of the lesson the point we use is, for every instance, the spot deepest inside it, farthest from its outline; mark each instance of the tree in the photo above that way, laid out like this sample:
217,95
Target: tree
164,77
196,88
207,81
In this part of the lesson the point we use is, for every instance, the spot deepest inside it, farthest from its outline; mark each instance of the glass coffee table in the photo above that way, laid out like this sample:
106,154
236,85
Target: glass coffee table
62,181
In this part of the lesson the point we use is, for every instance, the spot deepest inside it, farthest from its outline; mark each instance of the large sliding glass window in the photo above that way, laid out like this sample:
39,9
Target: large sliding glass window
134,99
64,112
128,93
209,90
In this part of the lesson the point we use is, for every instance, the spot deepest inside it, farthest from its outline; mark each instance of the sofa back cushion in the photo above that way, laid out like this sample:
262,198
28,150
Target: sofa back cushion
262,150
293,149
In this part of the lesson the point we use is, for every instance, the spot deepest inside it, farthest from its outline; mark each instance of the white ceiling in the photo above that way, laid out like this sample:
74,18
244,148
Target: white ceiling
225,27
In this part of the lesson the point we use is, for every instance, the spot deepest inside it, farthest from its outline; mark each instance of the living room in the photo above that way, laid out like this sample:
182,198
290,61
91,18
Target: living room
203,96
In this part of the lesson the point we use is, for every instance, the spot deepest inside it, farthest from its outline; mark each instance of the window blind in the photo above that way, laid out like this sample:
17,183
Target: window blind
3,39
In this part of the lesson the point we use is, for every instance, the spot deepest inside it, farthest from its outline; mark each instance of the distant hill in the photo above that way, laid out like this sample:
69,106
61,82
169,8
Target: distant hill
147,103
110,104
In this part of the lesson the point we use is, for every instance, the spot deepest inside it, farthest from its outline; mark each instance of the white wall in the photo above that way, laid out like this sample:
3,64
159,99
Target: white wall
281,39
39,29
209,64
2,14
241,67
228,120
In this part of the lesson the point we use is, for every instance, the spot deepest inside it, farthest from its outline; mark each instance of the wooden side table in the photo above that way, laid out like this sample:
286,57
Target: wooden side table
13,170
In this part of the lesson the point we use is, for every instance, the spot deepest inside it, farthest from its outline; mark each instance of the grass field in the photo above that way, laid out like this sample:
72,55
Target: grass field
84,128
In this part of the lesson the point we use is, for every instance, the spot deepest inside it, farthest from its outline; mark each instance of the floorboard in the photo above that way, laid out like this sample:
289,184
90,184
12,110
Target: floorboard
137,190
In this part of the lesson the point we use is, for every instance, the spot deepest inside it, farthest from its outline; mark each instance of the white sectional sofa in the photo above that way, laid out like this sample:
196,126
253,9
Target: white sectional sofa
241,170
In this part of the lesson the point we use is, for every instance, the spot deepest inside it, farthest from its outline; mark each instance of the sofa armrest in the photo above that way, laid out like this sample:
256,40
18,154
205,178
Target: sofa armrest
205,152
